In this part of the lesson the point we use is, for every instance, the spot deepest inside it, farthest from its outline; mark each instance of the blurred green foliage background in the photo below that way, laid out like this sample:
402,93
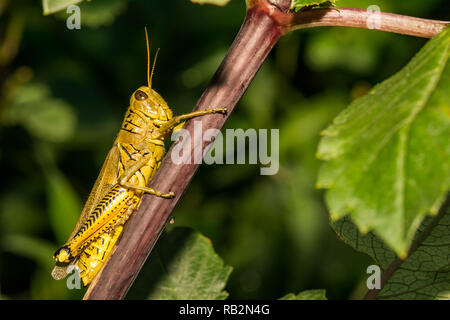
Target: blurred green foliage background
64,93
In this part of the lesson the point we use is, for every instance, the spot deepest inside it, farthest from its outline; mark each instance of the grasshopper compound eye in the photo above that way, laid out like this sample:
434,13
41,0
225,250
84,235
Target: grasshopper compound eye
140,95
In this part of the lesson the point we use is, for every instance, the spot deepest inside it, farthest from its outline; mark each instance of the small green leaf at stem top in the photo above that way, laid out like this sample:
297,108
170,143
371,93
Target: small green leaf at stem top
298,5
387,155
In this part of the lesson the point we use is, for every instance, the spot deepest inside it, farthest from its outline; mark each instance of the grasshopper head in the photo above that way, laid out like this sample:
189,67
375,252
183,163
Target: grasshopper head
63,254
148,102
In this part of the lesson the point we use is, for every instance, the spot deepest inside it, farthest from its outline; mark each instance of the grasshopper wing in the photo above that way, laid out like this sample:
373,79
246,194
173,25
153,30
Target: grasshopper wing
107,178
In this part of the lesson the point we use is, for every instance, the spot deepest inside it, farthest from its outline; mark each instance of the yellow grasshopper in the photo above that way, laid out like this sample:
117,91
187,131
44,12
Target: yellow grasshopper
132,162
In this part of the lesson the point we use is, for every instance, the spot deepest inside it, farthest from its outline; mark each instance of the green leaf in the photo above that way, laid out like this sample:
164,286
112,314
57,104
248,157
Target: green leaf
425,274
306,295
52,6
300,4
45,117
98,13
101,12
220,3
183,265
387,154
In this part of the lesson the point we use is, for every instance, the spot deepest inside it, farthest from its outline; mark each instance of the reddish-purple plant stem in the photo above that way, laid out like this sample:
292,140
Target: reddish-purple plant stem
255,39
359,18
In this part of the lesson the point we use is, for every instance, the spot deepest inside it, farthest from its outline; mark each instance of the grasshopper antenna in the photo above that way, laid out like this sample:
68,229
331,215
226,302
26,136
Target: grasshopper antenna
148,58
153,68
150,75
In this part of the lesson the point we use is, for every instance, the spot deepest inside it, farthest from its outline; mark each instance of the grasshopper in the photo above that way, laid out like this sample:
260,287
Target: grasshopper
129,166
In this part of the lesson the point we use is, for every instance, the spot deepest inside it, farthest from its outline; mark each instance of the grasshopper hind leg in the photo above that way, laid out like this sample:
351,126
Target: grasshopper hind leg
95,255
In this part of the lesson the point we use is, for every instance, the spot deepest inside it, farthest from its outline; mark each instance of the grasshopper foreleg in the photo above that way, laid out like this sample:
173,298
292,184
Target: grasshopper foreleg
168,126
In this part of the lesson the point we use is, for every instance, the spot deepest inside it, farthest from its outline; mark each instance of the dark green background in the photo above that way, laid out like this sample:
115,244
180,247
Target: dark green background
63,96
